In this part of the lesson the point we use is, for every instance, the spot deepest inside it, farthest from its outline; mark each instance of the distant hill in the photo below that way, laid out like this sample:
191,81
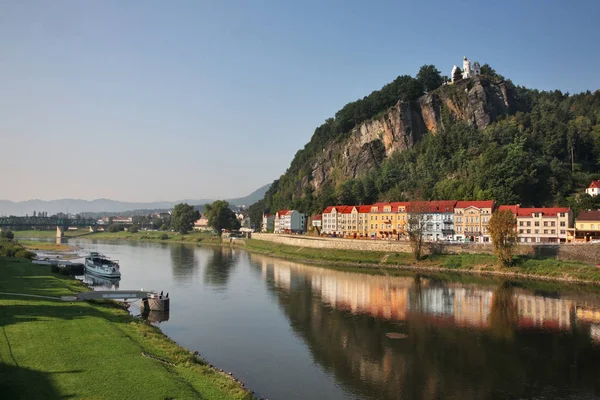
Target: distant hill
111,206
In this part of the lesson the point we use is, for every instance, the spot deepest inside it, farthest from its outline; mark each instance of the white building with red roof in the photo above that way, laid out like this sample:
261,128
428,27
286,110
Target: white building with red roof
289,221
268,222
541,224
594,189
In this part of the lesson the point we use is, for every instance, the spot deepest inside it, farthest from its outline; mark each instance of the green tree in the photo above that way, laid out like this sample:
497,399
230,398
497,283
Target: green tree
183,217
429,77
502,227
6,234
134,228
221,217
114,228
416,233
457,75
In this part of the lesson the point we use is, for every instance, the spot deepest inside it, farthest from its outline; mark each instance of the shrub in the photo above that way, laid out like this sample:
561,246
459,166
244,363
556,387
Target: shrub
114,228
23,253
134,229
7,235
164,236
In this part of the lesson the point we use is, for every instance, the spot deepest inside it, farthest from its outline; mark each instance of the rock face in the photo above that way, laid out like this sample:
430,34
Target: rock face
475,100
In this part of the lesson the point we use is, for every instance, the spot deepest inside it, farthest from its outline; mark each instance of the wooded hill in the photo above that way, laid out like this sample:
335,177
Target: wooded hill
418,139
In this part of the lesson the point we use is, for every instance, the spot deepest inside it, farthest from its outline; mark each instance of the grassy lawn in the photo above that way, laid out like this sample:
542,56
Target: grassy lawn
45,246
49,234
55,350
366,260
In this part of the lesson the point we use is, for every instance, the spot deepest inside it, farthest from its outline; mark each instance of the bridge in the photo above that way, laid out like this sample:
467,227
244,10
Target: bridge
60,223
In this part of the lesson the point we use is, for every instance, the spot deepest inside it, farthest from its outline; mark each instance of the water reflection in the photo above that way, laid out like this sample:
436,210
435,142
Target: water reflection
219,266
155,316
183,261
462,341
101,283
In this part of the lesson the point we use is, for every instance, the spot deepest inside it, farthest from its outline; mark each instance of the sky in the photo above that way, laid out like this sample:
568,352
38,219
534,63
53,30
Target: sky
155,100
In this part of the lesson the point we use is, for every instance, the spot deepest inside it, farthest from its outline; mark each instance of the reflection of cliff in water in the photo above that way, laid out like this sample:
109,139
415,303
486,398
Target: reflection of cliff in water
463,342
219,266
183,261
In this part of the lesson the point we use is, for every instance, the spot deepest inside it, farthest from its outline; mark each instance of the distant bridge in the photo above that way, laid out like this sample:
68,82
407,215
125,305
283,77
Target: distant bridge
60,223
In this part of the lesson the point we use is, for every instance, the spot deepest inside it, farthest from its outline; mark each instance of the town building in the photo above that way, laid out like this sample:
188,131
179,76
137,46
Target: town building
201,224
587,226
471,219
316,221
268,221
388,220
468,71
354,221
436,218
332,220
541,224
594,189
289,221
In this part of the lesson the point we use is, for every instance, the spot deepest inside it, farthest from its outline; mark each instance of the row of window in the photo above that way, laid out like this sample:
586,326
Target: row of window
545,231
537,223
471,229
485,220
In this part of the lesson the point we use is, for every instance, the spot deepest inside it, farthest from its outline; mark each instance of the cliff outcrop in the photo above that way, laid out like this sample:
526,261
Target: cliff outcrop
477,101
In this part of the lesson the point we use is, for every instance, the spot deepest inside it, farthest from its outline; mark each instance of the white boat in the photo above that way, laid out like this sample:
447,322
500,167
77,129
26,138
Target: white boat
100,265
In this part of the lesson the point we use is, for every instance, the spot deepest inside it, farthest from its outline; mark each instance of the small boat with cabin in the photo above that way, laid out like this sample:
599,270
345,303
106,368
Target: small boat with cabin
100,265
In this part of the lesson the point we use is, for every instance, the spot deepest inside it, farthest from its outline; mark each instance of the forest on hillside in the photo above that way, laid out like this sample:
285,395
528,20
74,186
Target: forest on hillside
544,153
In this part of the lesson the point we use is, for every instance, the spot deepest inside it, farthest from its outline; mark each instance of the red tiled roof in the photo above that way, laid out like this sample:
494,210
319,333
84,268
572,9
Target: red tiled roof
364,209
475,203
545,211
592,215
513,208
347,210
337,208
282,212
317,217
594,184
433,206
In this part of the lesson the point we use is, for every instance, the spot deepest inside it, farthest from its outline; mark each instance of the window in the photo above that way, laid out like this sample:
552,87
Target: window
553,231
545,223
536,223
371,226
528,223
375,226
520,230
521,223
562,223
476,219
528,230
552,223
545,231
536,231
562,232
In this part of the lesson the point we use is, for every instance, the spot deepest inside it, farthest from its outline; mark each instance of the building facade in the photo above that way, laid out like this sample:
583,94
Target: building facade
436,218
587,226
541,224
471,219
268,223
331,222
388,220
289,221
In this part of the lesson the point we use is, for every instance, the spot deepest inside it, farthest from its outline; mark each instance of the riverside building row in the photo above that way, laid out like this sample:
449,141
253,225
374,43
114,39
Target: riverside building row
445,220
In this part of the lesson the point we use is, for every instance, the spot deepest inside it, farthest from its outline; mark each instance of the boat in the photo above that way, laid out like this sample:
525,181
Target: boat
100,265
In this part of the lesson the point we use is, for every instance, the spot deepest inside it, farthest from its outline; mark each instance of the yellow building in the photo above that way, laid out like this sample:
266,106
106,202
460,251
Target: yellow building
388,220
587,226
471,219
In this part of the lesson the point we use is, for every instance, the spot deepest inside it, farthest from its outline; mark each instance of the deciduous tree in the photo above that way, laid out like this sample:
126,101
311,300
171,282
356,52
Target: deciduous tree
502,227
221,217
429,77
183,217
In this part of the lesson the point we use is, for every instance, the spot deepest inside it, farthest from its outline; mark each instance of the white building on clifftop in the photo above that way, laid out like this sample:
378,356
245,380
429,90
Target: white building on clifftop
468,71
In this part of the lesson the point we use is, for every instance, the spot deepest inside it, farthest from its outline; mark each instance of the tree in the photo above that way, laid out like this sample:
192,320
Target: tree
457,75
6,234
221,217
416,233
134,228
429,77
183,217
503,232
491,72
114,228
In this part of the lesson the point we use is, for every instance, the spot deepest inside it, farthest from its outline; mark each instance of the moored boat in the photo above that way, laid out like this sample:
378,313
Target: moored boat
100,265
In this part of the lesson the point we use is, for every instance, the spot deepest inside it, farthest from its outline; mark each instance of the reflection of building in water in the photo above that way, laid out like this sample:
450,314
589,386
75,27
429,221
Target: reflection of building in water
588,314
394,298
542,312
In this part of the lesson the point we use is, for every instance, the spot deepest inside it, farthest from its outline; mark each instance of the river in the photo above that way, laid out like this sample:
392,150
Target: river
293,331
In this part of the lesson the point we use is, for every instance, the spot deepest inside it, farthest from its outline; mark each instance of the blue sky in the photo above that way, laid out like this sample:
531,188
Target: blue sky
155,100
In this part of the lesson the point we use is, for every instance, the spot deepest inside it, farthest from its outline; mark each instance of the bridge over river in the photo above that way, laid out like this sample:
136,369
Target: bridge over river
39,222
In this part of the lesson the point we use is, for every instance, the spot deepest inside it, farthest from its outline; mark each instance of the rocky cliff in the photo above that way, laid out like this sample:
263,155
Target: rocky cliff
477,101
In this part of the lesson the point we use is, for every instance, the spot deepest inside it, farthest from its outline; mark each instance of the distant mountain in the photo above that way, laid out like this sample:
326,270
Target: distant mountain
110,206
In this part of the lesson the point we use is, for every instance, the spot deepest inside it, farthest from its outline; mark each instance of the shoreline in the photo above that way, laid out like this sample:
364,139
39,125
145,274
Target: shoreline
553,270
187,365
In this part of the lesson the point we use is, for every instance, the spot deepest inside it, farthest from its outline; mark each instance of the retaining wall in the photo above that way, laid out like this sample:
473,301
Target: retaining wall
587,253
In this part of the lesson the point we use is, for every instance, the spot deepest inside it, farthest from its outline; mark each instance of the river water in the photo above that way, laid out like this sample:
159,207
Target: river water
293,331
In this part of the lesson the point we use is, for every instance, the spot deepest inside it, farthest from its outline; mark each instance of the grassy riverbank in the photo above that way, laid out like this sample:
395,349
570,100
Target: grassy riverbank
53,349
45,246
49,234
155,236
525,267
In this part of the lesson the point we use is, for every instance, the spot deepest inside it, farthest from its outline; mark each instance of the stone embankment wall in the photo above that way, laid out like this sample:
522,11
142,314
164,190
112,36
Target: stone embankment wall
587,253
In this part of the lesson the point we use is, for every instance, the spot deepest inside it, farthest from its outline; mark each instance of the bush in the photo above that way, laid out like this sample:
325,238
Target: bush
164,236
23,253
7,235
114,228
134,229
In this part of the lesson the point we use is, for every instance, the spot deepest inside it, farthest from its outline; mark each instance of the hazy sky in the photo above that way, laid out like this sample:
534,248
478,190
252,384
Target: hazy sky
164,100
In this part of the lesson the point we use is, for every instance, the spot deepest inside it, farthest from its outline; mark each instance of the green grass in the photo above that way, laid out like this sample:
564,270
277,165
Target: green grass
375,261
45,246
159,236
56,350
49,234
